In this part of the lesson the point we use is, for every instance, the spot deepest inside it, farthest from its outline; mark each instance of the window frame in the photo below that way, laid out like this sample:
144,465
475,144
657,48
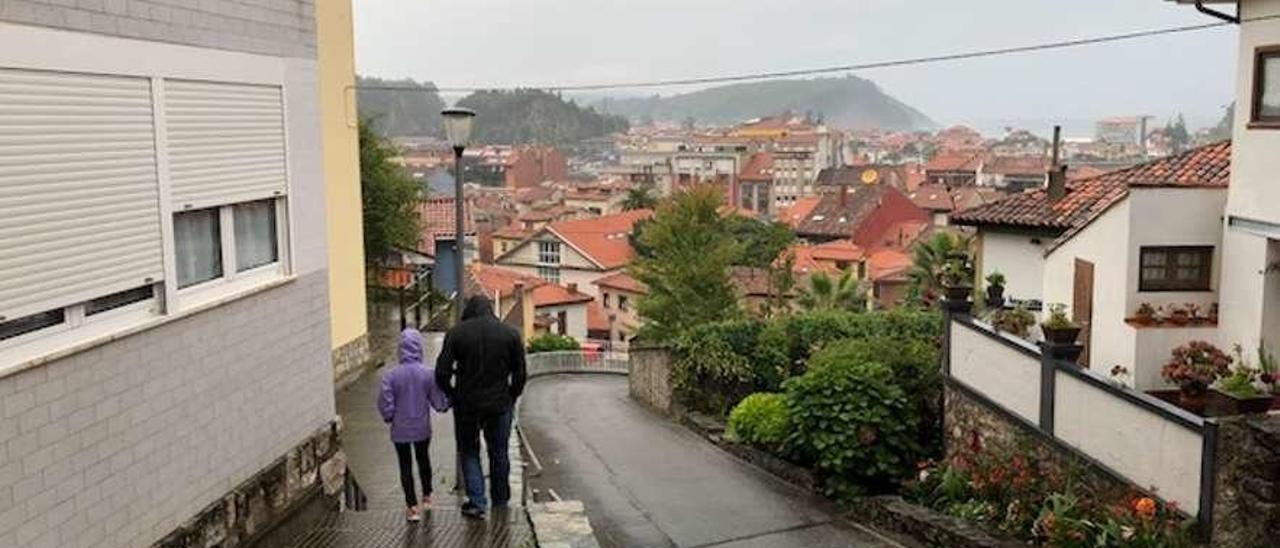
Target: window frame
232,280
1256,119
555,278
1200,285
556,254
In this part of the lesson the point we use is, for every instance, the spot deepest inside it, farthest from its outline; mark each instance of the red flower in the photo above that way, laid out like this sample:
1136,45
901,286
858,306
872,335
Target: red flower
1145,507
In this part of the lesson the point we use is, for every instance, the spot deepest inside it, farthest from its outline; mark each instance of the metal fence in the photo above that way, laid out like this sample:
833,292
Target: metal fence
574,361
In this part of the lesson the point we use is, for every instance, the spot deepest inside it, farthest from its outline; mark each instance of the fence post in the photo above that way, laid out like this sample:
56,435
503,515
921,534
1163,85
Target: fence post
950,309
1208,471
404,321
1048,388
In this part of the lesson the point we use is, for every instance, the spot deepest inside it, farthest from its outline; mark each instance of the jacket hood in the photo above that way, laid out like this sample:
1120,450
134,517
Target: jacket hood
478,306
410,346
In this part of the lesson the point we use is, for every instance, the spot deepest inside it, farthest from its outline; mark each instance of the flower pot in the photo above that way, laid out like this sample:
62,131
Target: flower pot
1060,335
1246,406
995,296
1144,320
1179,319
958,293
1193,401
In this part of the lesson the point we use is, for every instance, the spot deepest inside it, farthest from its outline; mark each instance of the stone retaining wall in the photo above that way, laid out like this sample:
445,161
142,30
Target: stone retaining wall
649,378
315,468
351,360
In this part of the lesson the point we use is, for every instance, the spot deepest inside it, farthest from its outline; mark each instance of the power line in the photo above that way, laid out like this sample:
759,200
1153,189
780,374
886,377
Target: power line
1062,44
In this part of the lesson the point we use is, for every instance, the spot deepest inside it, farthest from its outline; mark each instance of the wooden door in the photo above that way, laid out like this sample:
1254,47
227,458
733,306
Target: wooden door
1082,305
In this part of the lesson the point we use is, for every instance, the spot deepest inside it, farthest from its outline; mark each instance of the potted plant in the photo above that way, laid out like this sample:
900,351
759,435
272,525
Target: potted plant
1240,386
1146,314
1058,328
1213,313
956,279
1016,321
1194,367
1179,315
995,289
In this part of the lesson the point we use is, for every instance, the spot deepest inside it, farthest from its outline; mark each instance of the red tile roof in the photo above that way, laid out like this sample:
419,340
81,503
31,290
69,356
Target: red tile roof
500,282
1205,167
888,264
933,197
793,214
623,281
597,318
954,161
437,220
759,167
605,239
1016,165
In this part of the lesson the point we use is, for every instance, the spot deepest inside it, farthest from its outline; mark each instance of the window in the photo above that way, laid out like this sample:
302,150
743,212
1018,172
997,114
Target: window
549,252
562,322
622,303
119,300
27,324
549,273
605,298
197,235
1178,268
1266,88
255,234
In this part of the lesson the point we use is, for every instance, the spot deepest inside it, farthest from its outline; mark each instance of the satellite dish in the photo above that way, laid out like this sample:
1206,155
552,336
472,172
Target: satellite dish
869,176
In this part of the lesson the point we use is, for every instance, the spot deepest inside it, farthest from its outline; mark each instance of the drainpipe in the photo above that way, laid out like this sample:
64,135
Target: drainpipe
1234,19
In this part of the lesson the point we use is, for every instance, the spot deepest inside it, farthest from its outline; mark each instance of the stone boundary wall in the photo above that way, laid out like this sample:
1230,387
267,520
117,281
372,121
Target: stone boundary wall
1247,493
315,468
351,360
649,378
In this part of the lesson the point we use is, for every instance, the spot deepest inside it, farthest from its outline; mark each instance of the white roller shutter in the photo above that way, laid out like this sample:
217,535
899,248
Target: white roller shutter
226,142
78,195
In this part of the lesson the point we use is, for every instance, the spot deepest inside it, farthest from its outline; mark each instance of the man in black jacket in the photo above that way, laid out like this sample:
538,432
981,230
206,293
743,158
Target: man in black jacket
487,358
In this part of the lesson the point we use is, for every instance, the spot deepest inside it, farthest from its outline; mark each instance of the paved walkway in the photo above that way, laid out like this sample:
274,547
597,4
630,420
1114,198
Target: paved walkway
649,482
372,461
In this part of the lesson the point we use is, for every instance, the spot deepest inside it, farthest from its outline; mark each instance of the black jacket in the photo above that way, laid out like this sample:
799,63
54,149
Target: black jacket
487,357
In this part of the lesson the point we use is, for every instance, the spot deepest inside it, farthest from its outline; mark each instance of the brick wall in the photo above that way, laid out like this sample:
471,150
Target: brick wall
284,28
120,444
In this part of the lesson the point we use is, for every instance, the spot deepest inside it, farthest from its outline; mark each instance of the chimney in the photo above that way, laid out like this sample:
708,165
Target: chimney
573,287
1057,174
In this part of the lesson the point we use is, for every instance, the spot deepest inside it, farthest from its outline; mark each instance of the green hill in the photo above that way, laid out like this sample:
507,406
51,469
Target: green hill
503,117
848,102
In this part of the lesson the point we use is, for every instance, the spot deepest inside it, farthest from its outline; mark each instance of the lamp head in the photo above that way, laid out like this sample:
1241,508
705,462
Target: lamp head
457,125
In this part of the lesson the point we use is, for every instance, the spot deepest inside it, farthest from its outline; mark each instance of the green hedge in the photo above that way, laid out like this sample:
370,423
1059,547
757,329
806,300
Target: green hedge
552,342
762,420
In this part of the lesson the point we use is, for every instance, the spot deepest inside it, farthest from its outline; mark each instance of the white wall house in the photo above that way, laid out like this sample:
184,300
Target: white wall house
164,320
1250,296
1148,234
576,252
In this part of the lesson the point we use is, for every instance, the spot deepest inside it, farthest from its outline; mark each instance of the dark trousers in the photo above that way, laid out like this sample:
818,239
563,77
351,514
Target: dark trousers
406,453
497,432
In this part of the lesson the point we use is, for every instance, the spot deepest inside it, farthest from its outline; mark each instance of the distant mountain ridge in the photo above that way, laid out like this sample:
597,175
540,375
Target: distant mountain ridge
849,102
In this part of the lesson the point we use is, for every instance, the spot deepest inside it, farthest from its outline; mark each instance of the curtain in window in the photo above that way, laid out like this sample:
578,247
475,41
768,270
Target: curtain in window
198,242
255,227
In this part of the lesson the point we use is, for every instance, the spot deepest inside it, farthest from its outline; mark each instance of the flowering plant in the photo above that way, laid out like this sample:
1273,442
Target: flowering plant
1196,365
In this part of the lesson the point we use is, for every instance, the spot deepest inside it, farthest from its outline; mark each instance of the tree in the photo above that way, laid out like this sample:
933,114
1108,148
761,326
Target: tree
686,268
389,196
536,116
640,197
402,107
930,258
1225,125
761,241
827,293
1176,130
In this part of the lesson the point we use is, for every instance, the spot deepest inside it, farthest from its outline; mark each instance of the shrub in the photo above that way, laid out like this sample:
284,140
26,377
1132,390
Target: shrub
714,371
786,343
852,421
760,419
552,342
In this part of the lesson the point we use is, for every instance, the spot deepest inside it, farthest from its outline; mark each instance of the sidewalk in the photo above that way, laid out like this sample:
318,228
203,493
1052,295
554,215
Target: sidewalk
372,462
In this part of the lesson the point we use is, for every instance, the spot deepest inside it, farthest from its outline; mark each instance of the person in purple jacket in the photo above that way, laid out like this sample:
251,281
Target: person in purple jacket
408,394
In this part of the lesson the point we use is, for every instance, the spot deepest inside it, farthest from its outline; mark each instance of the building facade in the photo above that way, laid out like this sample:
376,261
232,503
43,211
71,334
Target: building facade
164,280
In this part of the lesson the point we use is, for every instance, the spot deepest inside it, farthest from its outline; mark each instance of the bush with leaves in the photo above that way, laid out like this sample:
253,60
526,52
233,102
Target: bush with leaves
551,342
852,421
716,368
760,419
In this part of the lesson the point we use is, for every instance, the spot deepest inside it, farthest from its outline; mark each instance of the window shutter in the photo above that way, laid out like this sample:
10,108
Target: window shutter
226,143
78,195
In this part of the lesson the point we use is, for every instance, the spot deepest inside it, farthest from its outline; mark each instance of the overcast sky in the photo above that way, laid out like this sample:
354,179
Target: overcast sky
529,42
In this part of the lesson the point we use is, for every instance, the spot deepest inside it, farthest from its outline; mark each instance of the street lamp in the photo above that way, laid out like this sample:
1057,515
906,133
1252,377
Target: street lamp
457,127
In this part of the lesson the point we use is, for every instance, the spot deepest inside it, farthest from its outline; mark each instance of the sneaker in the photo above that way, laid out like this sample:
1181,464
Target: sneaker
411,514
425,505
472,511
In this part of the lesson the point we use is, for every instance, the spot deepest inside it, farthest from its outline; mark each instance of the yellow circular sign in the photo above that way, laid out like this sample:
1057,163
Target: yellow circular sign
869,176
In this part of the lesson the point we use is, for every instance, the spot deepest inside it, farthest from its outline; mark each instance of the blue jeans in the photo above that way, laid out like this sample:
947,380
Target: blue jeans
497,433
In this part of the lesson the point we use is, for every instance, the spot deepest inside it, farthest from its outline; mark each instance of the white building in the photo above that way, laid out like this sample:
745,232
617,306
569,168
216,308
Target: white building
1148,234
164,311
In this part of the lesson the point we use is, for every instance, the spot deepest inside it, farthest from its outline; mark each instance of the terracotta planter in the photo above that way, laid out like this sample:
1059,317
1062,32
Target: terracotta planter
1144,320
1246,406
1179,319
995,296
1062,335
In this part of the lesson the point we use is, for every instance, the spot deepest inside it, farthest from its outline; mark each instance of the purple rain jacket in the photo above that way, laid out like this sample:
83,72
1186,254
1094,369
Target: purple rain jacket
409,392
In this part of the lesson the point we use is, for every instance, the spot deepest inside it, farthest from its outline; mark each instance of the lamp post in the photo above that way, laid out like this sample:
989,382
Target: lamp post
457,127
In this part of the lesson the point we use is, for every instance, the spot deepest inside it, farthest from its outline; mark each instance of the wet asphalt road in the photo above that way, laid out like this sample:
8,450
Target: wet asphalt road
649,482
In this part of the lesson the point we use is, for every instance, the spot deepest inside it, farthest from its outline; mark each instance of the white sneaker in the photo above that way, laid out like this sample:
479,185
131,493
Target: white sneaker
411,514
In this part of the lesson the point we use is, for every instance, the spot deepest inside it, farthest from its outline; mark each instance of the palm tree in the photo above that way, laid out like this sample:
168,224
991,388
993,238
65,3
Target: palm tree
826,293
640,197
931,260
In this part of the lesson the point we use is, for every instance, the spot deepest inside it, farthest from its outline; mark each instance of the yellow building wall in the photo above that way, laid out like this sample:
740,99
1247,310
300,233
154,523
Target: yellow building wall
335,44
